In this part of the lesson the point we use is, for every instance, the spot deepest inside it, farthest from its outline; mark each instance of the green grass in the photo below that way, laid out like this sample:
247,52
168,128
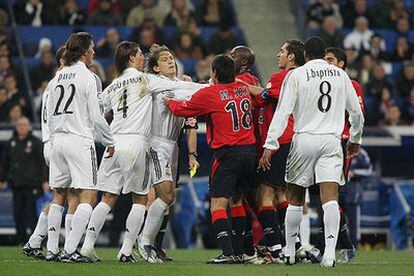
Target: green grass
192,262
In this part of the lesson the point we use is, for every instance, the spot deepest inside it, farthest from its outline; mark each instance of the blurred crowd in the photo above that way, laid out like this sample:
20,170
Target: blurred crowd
147,20
378,38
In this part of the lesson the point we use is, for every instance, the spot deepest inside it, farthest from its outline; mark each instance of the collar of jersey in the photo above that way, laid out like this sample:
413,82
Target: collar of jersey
319,60
167,78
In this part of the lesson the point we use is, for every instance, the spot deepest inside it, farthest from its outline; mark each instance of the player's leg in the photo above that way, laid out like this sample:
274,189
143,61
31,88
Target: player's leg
238,225
34,246
54,222
133,224
72,204
305,224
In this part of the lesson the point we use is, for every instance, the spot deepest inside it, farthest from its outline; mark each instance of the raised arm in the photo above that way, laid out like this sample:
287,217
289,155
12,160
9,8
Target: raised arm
198,105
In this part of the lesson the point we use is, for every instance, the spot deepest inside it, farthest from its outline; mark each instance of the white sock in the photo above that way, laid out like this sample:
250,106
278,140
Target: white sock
68,227
292,222
79,222
305,230
133,224
95,225
331,220
40,232
54,220
153,222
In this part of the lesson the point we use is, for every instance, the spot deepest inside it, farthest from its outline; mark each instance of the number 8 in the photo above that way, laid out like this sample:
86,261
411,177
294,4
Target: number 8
324,94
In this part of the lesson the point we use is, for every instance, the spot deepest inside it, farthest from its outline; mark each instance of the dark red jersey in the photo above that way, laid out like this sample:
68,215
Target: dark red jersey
273,88
258,113
228,113
360,94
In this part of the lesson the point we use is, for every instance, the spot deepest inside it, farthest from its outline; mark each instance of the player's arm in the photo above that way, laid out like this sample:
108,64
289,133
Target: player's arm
360,94
287,102
158,85
191,127
356,119
199,104
254,90
104,132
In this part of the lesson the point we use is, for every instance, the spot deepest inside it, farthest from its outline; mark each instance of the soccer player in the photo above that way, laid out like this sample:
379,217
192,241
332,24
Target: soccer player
337,57
317,94
34,246
230,134
244,58
74,123
165,132
129,96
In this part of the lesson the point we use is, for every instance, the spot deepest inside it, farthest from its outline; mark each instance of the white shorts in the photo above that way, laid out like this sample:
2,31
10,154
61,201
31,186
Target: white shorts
73,162
315,159
164,157
129,169
47,148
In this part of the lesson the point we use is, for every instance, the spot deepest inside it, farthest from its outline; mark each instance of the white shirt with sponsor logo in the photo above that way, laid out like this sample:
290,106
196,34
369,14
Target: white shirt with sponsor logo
73,105
164,123
317,94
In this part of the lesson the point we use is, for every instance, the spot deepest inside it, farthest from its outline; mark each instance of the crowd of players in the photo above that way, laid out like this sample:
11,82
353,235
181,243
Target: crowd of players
262,138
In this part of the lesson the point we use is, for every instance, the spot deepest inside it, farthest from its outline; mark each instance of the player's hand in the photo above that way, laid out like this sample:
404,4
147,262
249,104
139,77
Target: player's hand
110,152
166,100
45,187
264,162
352,149
193,163
3,185
186,78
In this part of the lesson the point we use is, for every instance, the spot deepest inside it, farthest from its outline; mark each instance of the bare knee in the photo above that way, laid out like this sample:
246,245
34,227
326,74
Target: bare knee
265,196
139,199
236,200
88,196
109,199
296,195
218,203
166,192
329,192
73,201
59,196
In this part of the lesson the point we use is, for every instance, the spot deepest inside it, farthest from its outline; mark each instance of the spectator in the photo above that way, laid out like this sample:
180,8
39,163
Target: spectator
24,170
330,34
106,46
148,33
406,80
104,15
393,117
402,51
403,27
222,40
71,14
382,10
45,45
98,69
377,82
37,99
5,37
185,48
366,69
15,113
359,8
212,12
195,33
95,5
146,9
352,67
377,48
399,11
35,12
14,97
6,68
4,106
318,11
360,37
410,104
179,15
202,71
44,71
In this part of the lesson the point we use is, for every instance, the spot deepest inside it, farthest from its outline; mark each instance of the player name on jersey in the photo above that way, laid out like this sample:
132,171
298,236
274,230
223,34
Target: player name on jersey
311,74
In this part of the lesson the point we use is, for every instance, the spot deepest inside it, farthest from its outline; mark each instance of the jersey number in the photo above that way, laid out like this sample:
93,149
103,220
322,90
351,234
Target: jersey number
122,105
246,118
44,117
65,110
324,105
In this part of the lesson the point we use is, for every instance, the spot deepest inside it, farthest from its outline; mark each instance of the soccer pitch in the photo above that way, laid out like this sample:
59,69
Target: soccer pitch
192,262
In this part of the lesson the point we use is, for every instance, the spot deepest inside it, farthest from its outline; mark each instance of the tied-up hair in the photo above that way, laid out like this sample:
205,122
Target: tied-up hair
152,57
76,46
59,55
123,51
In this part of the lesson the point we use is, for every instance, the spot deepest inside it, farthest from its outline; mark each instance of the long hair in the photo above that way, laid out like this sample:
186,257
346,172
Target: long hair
123,51
76,46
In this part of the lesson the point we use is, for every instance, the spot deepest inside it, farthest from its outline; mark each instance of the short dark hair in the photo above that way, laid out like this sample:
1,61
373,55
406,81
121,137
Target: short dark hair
153,56
339,54
123,51
223,66
76,46
315,47
296,47
59,54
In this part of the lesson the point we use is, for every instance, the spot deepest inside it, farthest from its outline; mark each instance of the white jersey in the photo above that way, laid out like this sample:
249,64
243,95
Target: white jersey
130,98
165,124
317,94
44,114
73,104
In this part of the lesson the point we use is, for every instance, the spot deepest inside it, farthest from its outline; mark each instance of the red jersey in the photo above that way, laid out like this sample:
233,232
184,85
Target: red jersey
273,88
228,113
360,94
258,113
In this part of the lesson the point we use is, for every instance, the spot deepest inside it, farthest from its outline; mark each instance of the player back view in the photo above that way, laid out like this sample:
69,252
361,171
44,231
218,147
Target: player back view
75,121
317,94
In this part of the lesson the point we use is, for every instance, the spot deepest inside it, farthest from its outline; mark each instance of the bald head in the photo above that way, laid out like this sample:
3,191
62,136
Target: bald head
243,57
